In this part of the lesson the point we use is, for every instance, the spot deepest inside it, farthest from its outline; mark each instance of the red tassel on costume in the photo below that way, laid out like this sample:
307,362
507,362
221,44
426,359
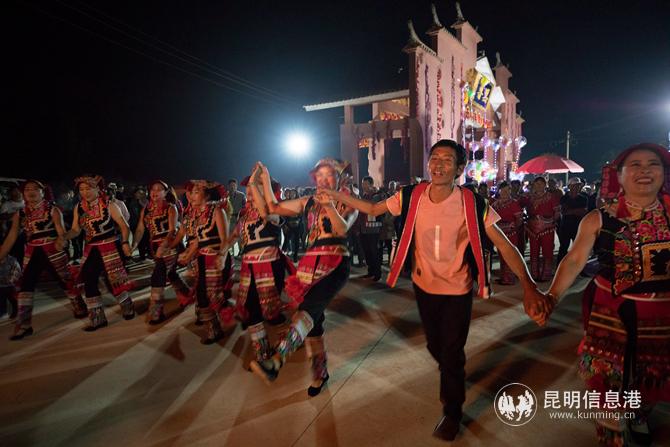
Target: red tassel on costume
665,198
227,315
185,298
241,313
622,209
580,348
292,270
74,270
295,290
229,284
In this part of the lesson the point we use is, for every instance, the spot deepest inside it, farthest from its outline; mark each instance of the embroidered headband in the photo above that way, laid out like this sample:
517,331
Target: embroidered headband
213,188
160,182
205,184
94,181
46,189
610,187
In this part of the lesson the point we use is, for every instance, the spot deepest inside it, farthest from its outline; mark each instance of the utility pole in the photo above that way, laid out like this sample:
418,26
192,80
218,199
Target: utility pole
567,155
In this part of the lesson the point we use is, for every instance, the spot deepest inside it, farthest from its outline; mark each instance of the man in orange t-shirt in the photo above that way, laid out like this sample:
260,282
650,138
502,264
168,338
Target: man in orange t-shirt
441,246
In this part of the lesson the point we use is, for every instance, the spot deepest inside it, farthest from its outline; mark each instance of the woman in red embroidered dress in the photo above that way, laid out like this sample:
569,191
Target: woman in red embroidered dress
263,267
206,227
322,272
99,219
510,223
543,210
626,347
42,223
161,217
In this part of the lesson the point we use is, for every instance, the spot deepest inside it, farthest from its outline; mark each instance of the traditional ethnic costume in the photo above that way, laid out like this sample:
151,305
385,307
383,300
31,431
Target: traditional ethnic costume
102,256
261,275
42,255
626,347
543,213
10,281
156,221
321,274
510,223
212,307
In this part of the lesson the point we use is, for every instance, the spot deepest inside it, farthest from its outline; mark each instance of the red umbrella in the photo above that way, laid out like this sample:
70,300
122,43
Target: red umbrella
549,164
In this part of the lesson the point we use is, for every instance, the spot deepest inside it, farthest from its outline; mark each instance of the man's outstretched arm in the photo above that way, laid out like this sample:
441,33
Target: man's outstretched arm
373,209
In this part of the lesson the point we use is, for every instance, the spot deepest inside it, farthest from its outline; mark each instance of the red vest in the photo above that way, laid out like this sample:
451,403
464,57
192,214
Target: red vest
479,250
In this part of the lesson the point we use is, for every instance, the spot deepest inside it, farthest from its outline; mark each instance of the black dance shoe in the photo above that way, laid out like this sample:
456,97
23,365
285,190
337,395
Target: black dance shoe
92,328
21,332
446,429
315,390
161,318
640,433
267,370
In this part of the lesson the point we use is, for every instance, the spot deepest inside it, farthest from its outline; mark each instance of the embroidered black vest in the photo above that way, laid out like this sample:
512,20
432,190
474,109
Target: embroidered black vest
96,228
635,256
256,232
205,227
38,223
157,221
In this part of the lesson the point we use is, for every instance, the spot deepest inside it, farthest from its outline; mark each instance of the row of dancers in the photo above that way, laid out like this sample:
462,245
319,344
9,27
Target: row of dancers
197,237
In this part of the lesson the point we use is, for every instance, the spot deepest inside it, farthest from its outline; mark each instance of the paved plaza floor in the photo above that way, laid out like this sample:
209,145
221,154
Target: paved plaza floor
132,384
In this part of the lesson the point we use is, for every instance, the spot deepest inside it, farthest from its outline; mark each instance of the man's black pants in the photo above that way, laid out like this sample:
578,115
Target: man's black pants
567,232
446,322
370,242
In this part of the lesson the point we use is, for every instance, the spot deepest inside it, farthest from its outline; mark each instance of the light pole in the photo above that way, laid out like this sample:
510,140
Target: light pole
567,155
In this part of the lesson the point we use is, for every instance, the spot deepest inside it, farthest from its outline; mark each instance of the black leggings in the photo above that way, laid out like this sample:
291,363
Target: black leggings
160,275
201,287
252,304
91,271
39,261
320,296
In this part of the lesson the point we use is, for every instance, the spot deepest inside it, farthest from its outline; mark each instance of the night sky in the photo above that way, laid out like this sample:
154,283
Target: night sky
81,94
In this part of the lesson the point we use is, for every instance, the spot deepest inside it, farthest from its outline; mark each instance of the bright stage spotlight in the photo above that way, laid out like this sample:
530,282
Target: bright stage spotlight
298,144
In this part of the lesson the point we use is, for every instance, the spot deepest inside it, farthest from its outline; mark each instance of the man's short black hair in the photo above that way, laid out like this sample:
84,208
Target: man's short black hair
232,180
368,179
461,154
540,179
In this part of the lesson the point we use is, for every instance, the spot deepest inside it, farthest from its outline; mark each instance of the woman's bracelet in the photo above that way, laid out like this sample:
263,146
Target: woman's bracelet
125,242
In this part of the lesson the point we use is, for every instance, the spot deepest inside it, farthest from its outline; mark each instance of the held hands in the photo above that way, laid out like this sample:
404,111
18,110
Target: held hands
61,243
323,198
221,261
255,177
160,251
264,174
538,305
188,254
183,258
126,250
332,194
